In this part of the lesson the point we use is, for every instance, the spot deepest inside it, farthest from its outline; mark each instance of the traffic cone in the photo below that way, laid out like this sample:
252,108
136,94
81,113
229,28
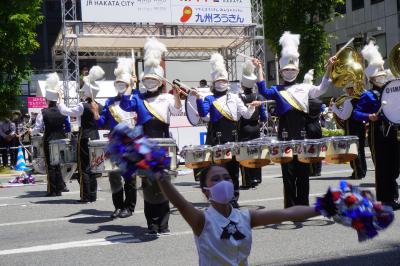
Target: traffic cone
21,165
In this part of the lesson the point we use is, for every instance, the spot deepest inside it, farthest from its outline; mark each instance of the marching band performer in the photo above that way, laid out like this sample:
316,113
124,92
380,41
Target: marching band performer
353,127
382,137
153,110
88,130
225,110
313,125
292,107
55,126
250,128
110,116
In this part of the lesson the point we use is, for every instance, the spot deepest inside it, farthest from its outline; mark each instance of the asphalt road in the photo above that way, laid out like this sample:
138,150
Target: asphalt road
35,230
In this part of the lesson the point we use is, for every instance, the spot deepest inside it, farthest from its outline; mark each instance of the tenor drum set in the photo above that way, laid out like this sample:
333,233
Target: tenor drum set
262,151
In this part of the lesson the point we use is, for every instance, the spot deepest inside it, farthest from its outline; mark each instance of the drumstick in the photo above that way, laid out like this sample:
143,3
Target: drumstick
173,85
344,46
380,108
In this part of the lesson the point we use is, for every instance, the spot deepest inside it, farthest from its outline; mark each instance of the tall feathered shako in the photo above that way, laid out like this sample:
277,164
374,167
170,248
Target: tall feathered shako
218,70
91,87
375,67
52,87
289,54
123,72
248,76
154,51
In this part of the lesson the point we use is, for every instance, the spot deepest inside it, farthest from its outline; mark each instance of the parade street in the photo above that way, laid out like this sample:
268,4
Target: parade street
36,230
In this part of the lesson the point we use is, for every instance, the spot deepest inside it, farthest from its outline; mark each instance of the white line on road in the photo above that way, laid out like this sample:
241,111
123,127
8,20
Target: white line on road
83,243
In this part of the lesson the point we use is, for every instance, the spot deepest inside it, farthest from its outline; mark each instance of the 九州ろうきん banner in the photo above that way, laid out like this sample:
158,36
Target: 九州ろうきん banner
197,12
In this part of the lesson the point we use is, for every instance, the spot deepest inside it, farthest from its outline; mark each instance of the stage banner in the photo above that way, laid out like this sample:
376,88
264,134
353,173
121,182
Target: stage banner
193,12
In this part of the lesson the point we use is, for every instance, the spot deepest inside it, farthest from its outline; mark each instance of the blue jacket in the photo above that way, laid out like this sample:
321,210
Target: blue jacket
282,106
135,103
368,104
106,119
206,106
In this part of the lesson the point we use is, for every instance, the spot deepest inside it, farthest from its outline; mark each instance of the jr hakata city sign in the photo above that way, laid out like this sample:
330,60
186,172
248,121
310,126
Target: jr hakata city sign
194,12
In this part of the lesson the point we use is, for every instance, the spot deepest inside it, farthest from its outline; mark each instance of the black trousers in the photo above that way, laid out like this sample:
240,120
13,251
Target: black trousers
55,183
250,176
87,180
359,165
156,206
296,183
5,151
118,189
386,153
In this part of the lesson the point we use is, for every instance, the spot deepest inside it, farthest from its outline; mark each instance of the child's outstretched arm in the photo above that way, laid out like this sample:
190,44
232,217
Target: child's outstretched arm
194,217
260,217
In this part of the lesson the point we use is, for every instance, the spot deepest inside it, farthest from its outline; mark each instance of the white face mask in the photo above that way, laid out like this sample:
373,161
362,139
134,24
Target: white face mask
151,84
289,75
379,81
120,87
221,86
222,192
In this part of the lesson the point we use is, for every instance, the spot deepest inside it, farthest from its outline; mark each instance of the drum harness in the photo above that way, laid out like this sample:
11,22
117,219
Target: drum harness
383,127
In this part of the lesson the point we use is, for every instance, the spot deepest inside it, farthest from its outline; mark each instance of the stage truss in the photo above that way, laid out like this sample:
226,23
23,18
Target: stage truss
81,40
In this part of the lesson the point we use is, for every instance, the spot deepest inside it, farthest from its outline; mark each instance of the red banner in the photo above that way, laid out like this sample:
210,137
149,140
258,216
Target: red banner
37,102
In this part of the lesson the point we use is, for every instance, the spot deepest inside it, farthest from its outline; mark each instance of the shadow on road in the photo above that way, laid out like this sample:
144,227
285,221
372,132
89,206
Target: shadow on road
125,233
329,178
297,225
32,194
97,217
58,201
391,256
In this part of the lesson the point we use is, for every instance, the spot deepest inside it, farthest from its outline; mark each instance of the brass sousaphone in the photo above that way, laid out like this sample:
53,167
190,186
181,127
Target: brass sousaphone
394,60
348,68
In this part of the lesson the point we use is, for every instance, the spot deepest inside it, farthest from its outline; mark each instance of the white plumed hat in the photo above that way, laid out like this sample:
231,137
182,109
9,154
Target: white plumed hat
91,87
218,70
375,61
289,54
309,77
52,87
123,71
248,76
154,50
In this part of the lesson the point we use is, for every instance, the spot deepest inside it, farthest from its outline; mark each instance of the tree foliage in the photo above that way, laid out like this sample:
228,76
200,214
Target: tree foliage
304,17
18,22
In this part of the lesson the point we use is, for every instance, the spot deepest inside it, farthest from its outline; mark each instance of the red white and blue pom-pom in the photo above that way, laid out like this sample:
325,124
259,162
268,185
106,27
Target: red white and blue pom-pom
350,206
134,153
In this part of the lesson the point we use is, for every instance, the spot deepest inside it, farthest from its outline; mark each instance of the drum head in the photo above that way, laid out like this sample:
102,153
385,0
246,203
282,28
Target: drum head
391,98
191,110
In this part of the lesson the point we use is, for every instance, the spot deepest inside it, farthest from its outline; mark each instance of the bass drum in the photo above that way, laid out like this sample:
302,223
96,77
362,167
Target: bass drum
191,108
390,101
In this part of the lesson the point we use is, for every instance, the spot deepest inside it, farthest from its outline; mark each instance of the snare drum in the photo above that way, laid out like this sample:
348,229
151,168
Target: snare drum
37,144
99,161
312,150
281,151
62,152
341,149
253,154
197,156
169,144
223,153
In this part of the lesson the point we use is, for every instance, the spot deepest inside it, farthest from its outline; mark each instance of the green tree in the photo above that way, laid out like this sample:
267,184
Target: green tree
18,22
304,17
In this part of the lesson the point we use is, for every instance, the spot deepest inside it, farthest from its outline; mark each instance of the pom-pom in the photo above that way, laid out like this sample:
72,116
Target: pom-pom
95,73
134,153
52,81
154,50
309,77
351,207
248,68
